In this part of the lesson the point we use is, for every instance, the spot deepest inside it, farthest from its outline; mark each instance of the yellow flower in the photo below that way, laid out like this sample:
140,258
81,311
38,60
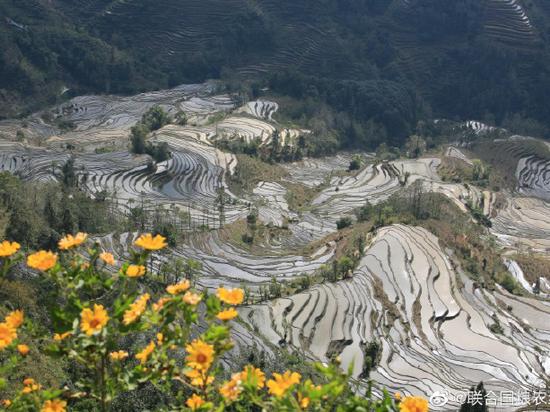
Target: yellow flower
147,241
30,385
145,353
281,383
253,376
160,304
160,338
28,381
42,260
23,350
200,355
136,309
397,396
54,406
194,402
231,389
227,314
5,402
107,258
71,241
8,248
191,298
7,335
413,404
135,271
303,400
198,378
118,355
58,337
231,296
178,288
15,319
92,321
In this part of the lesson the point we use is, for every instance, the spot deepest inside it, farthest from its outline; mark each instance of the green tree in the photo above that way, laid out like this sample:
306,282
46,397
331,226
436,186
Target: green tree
345,266
69,174
355,163
155,118
373,352
191,269
415,146
181,118
68,220
343,222
50,212
138,134
4,221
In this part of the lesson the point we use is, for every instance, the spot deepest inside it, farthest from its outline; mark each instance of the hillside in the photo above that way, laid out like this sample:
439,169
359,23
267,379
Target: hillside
454,56
399,263
245,205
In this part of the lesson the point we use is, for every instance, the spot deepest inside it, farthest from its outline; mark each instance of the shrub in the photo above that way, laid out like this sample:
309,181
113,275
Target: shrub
181,118
251,219
138,133
355,163
343,223
155,118
509,283
119,339
246,238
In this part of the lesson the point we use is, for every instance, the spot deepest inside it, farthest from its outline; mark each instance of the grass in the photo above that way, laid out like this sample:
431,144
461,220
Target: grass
250,171
28,295
299,196
262,234
533,266
454,170
475,249
503,157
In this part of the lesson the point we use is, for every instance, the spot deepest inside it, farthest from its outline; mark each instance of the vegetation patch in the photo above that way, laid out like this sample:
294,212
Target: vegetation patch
503,157
250,235
250,171
115,344
533,266
475,249
299,196
456,170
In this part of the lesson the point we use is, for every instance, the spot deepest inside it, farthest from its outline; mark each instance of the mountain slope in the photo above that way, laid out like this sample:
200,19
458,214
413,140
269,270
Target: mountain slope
465,58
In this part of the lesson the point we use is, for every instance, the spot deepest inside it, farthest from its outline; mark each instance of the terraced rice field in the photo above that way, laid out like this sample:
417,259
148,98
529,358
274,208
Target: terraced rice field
457,154
508,22
262,109
377,182
252,129
190,179
226,264
524,222
533,176
100,120
434,325
434,334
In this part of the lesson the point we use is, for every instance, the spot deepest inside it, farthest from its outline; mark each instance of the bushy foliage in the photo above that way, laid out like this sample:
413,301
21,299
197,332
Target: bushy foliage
153,119
120,339
343,222
36,217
